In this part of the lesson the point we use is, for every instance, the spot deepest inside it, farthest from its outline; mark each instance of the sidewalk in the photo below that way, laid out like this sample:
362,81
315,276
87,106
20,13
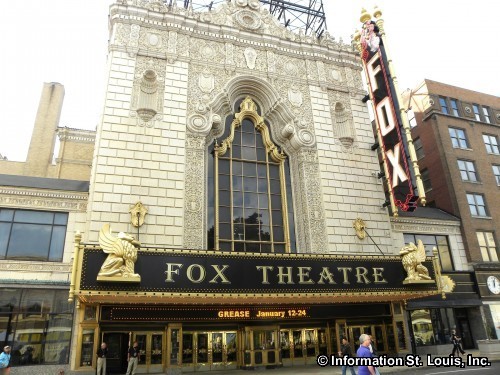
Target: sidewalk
315,369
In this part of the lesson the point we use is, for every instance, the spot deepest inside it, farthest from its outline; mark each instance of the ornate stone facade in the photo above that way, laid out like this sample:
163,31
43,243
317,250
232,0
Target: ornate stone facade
219,57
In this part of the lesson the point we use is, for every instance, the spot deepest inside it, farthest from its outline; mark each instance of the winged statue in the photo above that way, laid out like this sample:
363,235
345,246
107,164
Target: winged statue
412,258
122,255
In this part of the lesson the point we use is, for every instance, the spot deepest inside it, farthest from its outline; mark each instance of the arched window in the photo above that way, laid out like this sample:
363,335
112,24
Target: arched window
249,189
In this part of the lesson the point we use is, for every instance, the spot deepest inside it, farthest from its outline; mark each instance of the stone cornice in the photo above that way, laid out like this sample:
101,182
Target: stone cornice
328,51
30,266
425,226
76,135
33,198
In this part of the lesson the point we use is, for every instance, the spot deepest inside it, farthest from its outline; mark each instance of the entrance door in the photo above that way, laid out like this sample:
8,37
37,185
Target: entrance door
151,348
204,351
116,362
376,331
302,346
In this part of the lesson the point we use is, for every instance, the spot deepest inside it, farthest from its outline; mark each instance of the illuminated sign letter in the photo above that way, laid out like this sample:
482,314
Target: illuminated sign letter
385,115
397,171
372,72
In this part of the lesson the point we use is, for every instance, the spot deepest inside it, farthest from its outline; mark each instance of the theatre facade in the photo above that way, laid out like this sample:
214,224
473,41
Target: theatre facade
234,216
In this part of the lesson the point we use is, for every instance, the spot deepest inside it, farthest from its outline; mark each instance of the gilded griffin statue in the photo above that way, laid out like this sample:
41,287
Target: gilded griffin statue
412,258
122,255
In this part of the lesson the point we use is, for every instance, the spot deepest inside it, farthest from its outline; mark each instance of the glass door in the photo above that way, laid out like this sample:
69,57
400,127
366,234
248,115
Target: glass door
230,351
151,350
203,351
302,346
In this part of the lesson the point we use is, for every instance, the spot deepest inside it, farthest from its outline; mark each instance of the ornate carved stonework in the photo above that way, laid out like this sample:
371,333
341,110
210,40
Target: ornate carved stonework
43,199
148,90
206,81
31,266
133,40
207,51
295,96
194,233
342,120
250,57
312,229
152,39
122,35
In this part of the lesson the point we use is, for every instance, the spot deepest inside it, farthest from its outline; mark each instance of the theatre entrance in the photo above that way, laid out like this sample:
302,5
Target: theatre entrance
205,351
353,331
151,348
301,346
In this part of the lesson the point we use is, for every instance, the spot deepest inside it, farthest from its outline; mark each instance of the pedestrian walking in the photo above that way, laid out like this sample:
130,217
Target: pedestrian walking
102,353
373,350
5,361
345,351
364,352
133,359
456,340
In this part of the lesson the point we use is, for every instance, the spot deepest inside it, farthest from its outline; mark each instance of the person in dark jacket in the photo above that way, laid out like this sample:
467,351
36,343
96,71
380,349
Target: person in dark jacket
102,353
456,341
345,350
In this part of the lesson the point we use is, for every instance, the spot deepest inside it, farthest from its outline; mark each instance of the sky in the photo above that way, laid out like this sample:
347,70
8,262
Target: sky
65,41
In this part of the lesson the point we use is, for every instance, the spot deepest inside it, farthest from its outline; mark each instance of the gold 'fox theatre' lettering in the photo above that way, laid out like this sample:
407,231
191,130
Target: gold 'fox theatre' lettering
303,276
279,275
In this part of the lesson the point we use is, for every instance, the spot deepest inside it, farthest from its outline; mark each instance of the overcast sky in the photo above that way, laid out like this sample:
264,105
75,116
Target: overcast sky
65,41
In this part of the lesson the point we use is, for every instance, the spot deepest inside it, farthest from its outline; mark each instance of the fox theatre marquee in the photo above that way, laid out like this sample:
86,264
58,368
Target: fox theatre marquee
239,310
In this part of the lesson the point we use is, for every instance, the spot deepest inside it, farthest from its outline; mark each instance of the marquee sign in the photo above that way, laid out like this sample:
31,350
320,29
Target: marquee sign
387,117
188,272
124,313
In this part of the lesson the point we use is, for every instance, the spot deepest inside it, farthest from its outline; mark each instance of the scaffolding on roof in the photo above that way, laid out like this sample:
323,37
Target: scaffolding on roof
305,15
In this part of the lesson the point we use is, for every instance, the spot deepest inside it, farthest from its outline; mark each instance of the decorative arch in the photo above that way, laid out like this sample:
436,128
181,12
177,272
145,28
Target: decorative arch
205,124
251,210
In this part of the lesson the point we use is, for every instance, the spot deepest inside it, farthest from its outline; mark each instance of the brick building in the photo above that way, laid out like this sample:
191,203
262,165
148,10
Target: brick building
456,135
41,200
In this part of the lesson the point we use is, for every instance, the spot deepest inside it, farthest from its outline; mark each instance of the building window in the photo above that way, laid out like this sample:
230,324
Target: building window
454,107
32,235
37,324
458,138
431,241
477,115
477,205
426,180
432,326
488,246
486,114
411,118
467,170
496,172
491,143
444,105
419,149
251,189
